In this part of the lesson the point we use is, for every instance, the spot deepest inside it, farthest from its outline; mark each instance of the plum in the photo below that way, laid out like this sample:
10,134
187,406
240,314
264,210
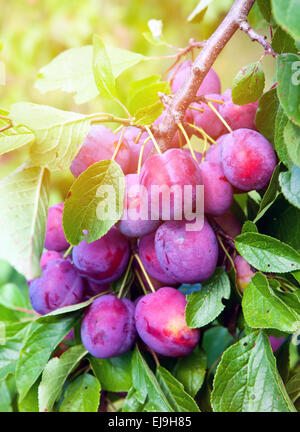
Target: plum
148,257
244,272
218,193
210,84
135,221
103,260
208,120
160,323
93,288
59,285
100,144
276,342
238,116
165,176
187,256
229,223
48,256
248,159
55,239
108,327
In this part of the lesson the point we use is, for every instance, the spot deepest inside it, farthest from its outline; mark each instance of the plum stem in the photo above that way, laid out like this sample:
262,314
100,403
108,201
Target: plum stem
141,282
187,140
125,277
153,139
68,251
219,116
119,144
141,154
175,111
154,357
136,256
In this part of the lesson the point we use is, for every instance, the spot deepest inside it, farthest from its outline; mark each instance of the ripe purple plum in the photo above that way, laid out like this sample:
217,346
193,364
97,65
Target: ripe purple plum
55,239
135,220
187,256
93,288
160,323
229,223
100,144
238,116
103,260
108,327
148,257
207,119
218,193
276,342
210,84
59,285
244,272
213,154
196,153
169,173
178,140
48,256
248,159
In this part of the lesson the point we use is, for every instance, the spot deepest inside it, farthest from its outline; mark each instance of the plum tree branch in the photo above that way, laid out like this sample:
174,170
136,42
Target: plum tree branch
256,37
175,111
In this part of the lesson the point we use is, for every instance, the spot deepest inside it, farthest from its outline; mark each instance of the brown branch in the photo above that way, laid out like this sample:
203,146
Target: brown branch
166,129
256,37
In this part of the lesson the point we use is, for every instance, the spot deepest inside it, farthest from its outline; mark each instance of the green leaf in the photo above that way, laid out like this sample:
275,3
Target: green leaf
147,115
249,227
72,71
30,403
280,146
131,403
205,305
146,384
82,395
270,194
104,78
266,114
293,387
287,16
288,89
190,371
265,307
144,93
248,84
179,400
55,374
267,253
247,379
283,43
9,355
5,397
292,141
114,374
58,134
37,350
14,138
94,203
198,13
52,316
23,214
265,8
215,341
290,185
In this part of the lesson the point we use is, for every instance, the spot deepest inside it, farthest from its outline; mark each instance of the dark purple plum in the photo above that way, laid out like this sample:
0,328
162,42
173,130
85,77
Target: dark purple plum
48,256
248,159
55,239
160,323
135,221
103,260
59,285
108,327
187,256
218,193
148,257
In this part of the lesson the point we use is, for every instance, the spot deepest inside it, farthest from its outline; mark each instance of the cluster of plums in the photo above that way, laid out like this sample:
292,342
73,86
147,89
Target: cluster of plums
240,161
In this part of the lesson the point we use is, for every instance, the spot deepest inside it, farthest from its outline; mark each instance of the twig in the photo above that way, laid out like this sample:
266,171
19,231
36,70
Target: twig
175,112
256,37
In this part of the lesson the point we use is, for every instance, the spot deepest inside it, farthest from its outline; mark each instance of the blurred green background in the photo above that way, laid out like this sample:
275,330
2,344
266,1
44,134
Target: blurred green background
33,32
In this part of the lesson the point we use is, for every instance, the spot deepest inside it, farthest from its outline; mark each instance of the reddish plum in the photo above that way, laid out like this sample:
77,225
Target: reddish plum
55,239
148,257
229,223
108,328
103,260
100,144
160,322
59,285
248,159
169,173
244,272
135,221
207,119
218,194
238,116
187,256
48,256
